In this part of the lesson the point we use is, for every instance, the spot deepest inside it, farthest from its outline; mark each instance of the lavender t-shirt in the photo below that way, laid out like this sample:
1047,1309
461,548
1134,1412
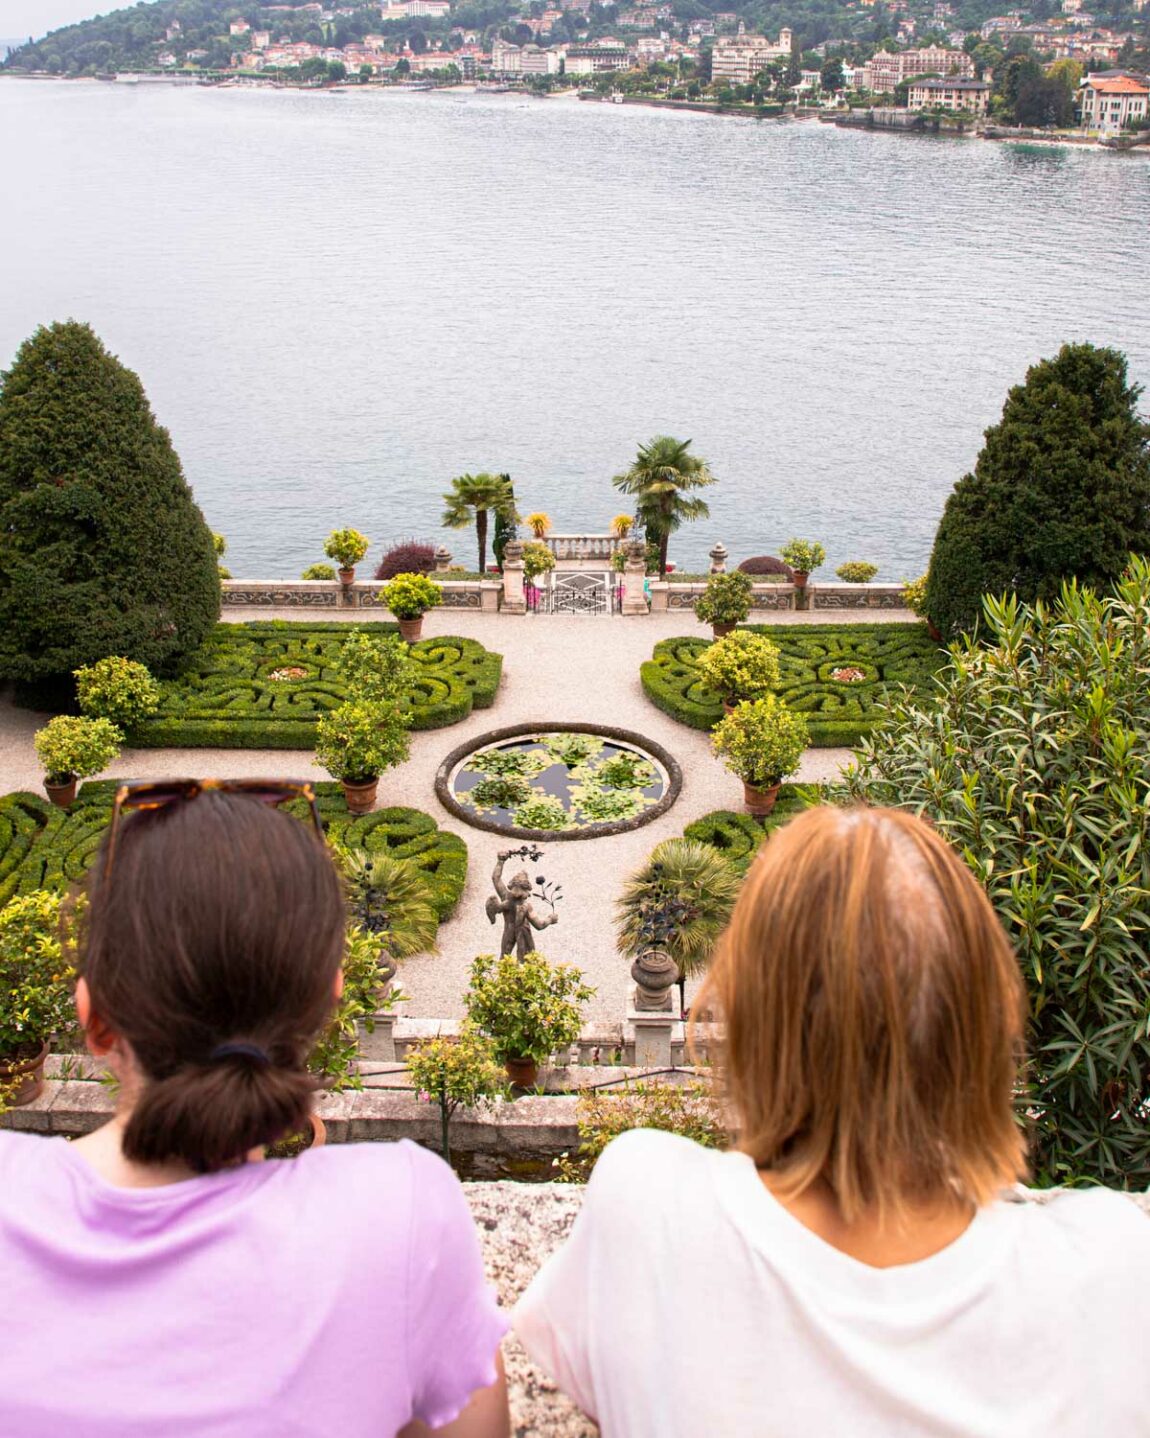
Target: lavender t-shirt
338,1294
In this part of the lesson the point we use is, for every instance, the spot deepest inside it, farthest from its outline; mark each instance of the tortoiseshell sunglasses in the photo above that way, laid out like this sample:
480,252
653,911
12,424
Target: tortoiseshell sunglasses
144,795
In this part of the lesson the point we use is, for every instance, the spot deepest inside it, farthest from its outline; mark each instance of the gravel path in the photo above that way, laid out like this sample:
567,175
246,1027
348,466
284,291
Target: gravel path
557,669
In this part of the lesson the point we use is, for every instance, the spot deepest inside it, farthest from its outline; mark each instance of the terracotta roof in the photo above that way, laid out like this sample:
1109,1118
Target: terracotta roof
1124,85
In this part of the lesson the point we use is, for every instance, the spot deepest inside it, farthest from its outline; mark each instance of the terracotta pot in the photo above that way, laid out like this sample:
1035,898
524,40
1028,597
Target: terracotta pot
411,629
28,1075
360,797
720,630
801,577
346,577
62,794
760,802
524,1073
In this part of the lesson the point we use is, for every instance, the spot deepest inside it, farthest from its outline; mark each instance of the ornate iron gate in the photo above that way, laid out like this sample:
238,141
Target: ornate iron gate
575,594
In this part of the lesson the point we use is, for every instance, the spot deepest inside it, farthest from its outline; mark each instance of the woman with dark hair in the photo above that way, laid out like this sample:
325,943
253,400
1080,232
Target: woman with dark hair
852,1267
158,1280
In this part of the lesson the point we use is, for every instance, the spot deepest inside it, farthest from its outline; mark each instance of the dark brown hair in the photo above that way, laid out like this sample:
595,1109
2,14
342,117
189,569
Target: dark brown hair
875,1012
223,922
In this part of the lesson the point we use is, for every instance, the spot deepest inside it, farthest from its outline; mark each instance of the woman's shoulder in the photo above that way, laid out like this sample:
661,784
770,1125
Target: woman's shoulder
1096,1220
665,1171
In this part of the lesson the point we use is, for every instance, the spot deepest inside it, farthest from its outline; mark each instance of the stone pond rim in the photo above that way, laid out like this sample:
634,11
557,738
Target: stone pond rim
554,726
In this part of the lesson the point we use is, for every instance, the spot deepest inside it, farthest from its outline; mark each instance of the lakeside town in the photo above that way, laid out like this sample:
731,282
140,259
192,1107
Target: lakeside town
1069,71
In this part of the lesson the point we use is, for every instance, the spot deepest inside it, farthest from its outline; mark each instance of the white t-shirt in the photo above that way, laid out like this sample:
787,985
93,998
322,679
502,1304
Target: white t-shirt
688,1301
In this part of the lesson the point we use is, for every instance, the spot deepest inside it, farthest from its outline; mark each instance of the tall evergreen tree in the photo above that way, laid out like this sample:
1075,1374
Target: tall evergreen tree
102,547
1061,489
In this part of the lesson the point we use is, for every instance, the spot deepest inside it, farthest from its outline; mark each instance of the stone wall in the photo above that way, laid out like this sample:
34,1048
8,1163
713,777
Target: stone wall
669,596
482,595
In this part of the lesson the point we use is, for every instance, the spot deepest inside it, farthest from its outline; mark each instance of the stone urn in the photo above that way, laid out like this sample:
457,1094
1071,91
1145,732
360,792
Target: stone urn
760,799
655,973
360,797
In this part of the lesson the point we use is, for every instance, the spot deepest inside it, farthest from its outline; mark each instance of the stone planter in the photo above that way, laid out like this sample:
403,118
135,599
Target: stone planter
410,630
360,797
62,795
523,1073
760,801
26,1074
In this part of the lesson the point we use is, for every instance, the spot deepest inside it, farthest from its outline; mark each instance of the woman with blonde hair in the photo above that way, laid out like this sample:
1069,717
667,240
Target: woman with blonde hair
853,1266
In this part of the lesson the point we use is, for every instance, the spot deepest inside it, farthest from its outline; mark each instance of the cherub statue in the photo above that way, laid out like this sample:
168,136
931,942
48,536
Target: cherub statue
514,903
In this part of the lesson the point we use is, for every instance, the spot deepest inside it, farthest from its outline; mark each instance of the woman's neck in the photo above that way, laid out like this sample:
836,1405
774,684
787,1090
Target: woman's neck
104,1151
926,1229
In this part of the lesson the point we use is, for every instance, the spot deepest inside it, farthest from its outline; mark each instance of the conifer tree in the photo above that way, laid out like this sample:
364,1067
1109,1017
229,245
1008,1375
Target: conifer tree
1060,490
103,550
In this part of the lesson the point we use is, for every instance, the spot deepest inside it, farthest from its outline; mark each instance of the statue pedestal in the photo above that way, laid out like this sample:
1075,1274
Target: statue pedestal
653,1031
379,1045
514,599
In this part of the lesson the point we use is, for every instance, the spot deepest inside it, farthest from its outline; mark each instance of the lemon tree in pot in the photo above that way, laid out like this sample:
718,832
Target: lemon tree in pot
725,602
762,741
35,989
71,748
743,665
356,743
409,597
347,547
804,556
527,1007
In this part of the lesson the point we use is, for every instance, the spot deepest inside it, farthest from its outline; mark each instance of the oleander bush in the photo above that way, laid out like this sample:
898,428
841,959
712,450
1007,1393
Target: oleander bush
837,712
43,847
1032,762
227,697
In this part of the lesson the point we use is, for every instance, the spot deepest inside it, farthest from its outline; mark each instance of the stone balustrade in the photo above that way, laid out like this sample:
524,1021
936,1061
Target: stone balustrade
585,548
476,594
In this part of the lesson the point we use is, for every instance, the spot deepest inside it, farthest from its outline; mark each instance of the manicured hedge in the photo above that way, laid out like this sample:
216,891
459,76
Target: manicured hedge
43,847
837,713
737,836
225,698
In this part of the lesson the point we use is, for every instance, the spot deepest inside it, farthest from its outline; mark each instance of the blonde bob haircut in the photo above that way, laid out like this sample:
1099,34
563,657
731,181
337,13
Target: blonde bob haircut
874,1016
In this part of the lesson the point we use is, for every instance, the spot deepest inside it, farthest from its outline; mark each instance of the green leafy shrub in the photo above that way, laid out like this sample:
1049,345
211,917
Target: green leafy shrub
220,546
409,596
726,600
857,571
359,741
318,571
456,1073
537,560
226,697
680,900
73,748
376,668
803,555
914,595
689,1109
761,741
346,546
889,655
542,814
1032,763
104,551
741,665
333,1058
1061,489
117,689
737,836
43,847
527,1007
36,973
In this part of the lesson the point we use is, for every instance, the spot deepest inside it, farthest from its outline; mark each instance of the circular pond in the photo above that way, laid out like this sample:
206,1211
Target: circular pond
558,781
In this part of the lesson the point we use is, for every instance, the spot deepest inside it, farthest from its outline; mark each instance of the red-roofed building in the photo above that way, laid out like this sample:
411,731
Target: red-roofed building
1108,102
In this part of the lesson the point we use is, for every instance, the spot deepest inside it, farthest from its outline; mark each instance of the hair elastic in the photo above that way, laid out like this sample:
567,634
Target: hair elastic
239,1050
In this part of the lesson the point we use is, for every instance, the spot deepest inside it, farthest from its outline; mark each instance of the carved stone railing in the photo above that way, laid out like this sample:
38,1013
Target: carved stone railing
585,548
678,597
481,595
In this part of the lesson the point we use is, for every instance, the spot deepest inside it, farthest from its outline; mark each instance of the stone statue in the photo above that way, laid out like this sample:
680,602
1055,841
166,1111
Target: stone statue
514,903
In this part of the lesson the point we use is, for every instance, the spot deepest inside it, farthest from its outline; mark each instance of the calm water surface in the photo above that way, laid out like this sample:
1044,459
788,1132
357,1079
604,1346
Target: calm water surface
338,302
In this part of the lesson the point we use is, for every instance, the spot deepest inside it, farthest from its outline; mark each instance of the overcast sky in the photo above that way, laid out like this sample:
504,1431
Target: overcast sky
21,18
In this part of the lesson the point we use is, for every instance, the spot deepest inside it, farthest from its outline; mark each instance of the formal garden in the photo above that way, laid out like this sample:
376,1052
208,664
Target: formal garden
1013,712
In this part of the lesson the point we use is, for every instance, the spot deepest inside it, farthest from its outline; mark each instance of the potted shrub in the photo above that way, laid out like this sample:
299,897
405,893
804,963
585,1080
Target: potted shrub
539,524
119,690
537,560
347,547
355,743
527,1007
318,571
804,556
725,602
762,741
857,571
740,666
35,990
621,526
72,748
456,1073
409,597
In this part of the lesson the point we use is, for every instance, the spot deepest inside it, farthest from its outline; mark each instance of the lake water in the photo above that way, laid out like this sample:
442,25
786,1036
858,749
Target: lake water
338,302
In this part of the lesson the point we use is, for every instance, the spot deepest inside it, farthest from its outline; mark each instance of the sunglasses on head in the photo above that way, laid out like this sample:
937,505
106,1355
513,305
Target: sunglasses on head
148,795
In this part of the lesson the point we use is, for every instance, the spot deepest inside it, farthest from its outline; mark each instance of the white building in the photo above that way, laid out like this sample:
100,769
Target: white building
737,61
953,93
1108,102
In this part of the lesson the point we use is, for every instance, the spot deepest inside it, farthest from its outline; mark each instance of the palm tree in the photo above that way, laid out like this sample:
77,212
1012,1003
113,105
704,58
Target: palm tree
679,901
476,494
661,475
